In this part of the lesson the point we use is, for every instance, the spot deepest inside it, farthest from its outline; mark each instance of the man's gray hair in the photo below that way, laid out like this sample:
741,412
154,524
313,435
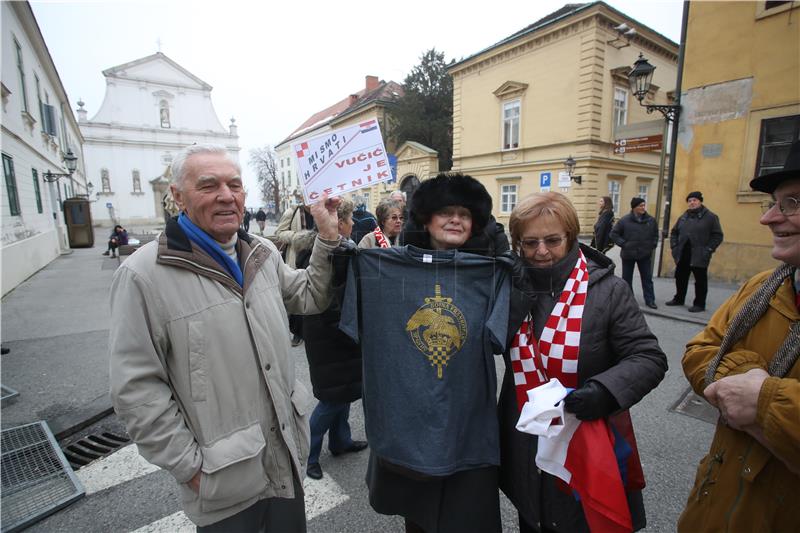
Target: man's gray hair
179,163
401,193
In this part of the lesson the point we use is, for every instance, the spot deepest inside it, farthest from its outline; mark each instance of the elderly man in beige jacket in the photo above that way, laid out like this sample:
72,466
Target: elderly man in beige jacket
200,366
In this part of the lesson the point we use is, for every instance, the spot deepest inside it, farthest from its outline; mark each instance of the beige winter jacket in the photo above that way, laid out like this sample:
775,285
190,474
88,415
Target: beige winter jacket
201,372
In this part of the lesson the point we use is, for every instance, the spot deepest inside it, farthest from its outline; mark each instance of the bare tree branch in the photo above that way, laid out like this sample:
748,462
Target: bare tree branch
264,161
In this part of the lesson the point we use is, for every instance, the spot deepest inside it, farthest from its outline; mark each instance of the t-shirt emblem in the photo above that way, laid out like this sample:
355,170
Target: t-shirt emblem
438,329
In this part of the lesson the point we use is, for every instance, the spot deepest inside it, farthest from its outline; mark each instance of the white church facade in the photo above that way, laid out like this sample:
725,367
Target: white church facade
152,109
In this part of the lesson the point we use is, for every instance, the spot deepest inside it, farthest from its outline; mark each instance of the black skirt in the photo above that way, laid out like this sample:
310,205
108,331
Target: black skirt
465,501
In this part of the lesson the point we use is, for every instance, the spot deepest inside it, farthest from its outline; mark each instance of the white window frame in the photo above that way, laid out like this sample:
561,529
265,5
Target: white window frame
508,197
614,192
620,107
644,192
508,126
105,180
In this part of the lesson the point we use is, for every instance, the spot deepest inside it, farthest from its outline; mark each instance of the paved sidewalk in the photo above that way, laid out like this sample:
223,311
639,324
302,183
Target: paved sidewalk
56,326
664,288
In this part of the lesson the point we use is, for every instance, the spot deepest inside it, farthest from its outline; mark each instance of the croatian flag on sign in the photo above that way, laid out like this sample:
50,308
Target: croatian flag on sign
583,454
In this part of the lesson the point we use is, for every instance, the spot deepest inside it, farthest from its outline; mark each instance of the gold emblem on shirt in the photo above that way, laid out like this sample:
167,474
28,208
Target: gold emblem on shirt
438,329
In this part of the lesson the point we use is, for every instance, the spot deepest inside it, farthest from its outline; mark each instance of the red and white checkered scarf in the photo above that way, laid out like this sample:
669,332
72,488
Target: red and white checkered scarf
381,239
555,355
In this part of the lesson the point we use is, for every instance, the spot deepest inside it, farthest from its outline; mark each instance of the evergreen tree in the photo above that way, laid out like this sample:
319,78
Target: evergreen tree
425,112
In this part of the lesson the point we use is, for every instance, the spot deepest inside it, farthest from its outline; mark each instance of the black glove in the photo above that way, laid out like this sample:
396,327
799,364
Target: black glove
590,402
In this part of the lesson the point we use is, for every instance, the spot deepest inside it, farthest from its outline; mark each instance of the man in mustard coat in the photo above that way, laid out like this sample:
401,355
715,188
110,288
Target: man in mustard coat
746,365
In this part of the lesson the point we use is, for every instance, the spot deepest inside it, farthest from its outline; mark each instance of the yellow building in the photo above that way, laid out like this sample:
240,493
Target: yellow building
555,89
740,103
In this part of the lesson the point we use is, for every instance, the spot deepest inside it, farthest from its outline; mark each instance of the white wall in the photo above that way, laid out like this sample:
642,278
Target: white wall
30,239
126,134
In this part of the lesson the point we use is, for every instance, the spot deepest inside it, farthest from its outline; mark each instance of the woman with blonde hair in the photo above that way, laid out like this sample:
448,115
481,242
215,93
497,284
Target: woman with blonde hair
573,321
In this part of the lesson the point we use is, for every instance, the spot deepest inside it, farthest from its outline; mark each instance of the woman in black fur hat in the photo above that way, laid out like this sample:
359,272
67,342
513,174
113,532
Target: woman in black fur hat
450,211
441,194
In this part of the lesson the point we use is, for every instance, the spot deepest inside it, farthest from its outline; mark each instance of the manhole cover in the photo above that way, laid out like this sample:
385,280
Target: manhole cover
7,395
93,447
690,404
36,478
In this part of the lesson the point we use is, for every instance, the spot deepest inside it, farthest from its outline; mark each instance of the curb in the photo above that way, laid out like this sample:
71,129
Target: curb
81,417
662,314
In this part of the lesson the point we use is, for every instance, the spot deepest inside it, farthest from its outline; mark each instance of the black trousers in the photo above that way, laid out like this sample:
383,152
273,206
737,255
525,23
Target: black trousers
272,515
682,272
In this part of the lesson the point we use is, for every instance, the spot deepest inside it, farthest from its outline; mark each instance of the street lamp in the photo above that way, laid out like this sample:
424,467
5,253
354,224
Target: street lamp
640,78
70,160
569,166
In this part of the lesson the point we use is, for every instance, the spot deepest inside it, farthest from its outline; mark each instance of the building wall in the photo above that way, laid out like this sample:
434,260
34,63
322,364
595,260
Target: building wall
127,134
31,239
730,46
563,76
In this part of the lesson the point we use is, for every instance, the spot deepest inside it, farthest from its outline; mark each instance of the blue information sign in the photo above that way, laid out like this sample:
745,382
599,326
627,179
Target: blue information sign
544,180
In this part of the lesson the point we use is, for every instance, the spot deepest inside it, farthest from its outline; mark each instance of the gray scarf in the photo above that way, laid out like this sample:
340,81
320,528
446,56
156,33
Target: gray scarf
746,318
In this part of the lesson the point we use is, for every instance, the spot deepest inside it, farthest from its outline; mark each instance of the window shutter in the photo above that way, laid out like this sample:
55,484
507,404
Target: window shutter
49,119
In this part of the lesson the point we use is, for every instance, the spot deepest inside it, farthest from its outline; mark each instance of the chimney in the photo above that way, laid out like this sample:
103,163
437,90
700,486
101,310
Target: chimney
372,82
353,99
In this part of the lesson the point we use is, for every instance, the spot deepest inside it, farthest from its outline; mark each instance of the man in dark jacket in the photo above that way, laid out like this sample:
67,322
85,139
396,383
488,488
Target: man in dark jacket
363,221
637,235
693,239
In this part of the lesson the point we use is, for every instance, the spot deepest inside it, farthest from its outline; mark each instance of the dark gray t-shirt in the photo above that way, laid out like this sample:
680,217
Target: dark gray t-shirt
429,323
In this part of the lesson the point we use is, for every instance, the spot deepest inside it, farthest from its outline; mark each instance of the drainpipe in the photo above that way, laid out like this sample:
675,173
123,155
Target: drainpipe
674,140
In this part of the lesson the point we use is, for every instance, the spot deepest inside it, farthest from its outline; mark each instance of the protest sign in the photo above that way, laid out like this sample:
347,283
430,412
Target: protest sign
342,160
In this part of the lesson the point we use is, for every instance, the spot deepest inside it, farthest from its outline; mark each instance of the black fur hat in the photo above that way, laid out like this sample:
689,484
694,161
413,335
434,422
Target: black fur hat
452,189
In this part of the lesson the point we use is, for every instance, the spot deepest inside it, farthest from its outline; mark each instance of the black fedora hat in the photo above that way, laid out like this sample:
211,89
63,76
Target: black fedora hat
791,170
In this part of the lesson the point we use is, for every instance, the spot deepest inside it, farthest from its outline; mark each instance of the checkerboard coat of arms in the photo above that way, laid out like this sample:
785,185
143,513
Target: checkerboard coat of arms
438,329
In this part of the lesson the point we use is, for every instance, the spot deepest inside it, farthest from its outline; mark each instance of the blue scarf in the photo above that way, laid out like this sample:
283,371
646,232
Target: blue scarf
211,247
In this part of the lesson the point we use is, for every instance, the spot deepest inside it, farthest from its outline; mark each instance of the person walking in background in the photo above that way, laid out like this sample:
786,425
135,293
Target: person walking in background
334,362
572,320
296,231
746,365
246,220
602,228
363,221
200,368
637,236
261,220
400,197
118,237
390,221
693,239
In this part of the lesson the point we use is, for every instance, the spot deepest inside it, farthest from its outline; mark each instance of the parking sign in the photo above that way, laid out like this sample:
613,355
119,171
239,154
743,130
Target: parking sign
544,181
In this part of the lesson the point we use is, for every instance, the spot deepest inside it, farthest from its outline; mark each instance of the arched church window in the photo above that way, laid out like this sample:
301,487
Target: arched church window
163,109
105,181
137,181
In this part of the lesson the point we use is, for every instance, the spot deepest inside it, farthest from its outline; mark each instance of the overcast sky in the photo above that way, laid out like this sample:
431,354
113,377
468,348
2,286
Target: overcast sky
272,65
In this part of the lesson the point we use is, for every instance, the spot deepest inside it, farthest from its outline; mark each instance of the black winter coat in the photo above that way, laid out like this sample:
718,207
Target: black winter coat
637,238
334,360
602,230
617,349
702,230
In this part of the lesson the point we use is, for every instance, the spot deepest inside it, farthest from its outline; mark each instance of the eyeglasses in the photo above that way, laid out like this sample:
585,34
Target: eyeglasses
549,242
395,218
788,206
